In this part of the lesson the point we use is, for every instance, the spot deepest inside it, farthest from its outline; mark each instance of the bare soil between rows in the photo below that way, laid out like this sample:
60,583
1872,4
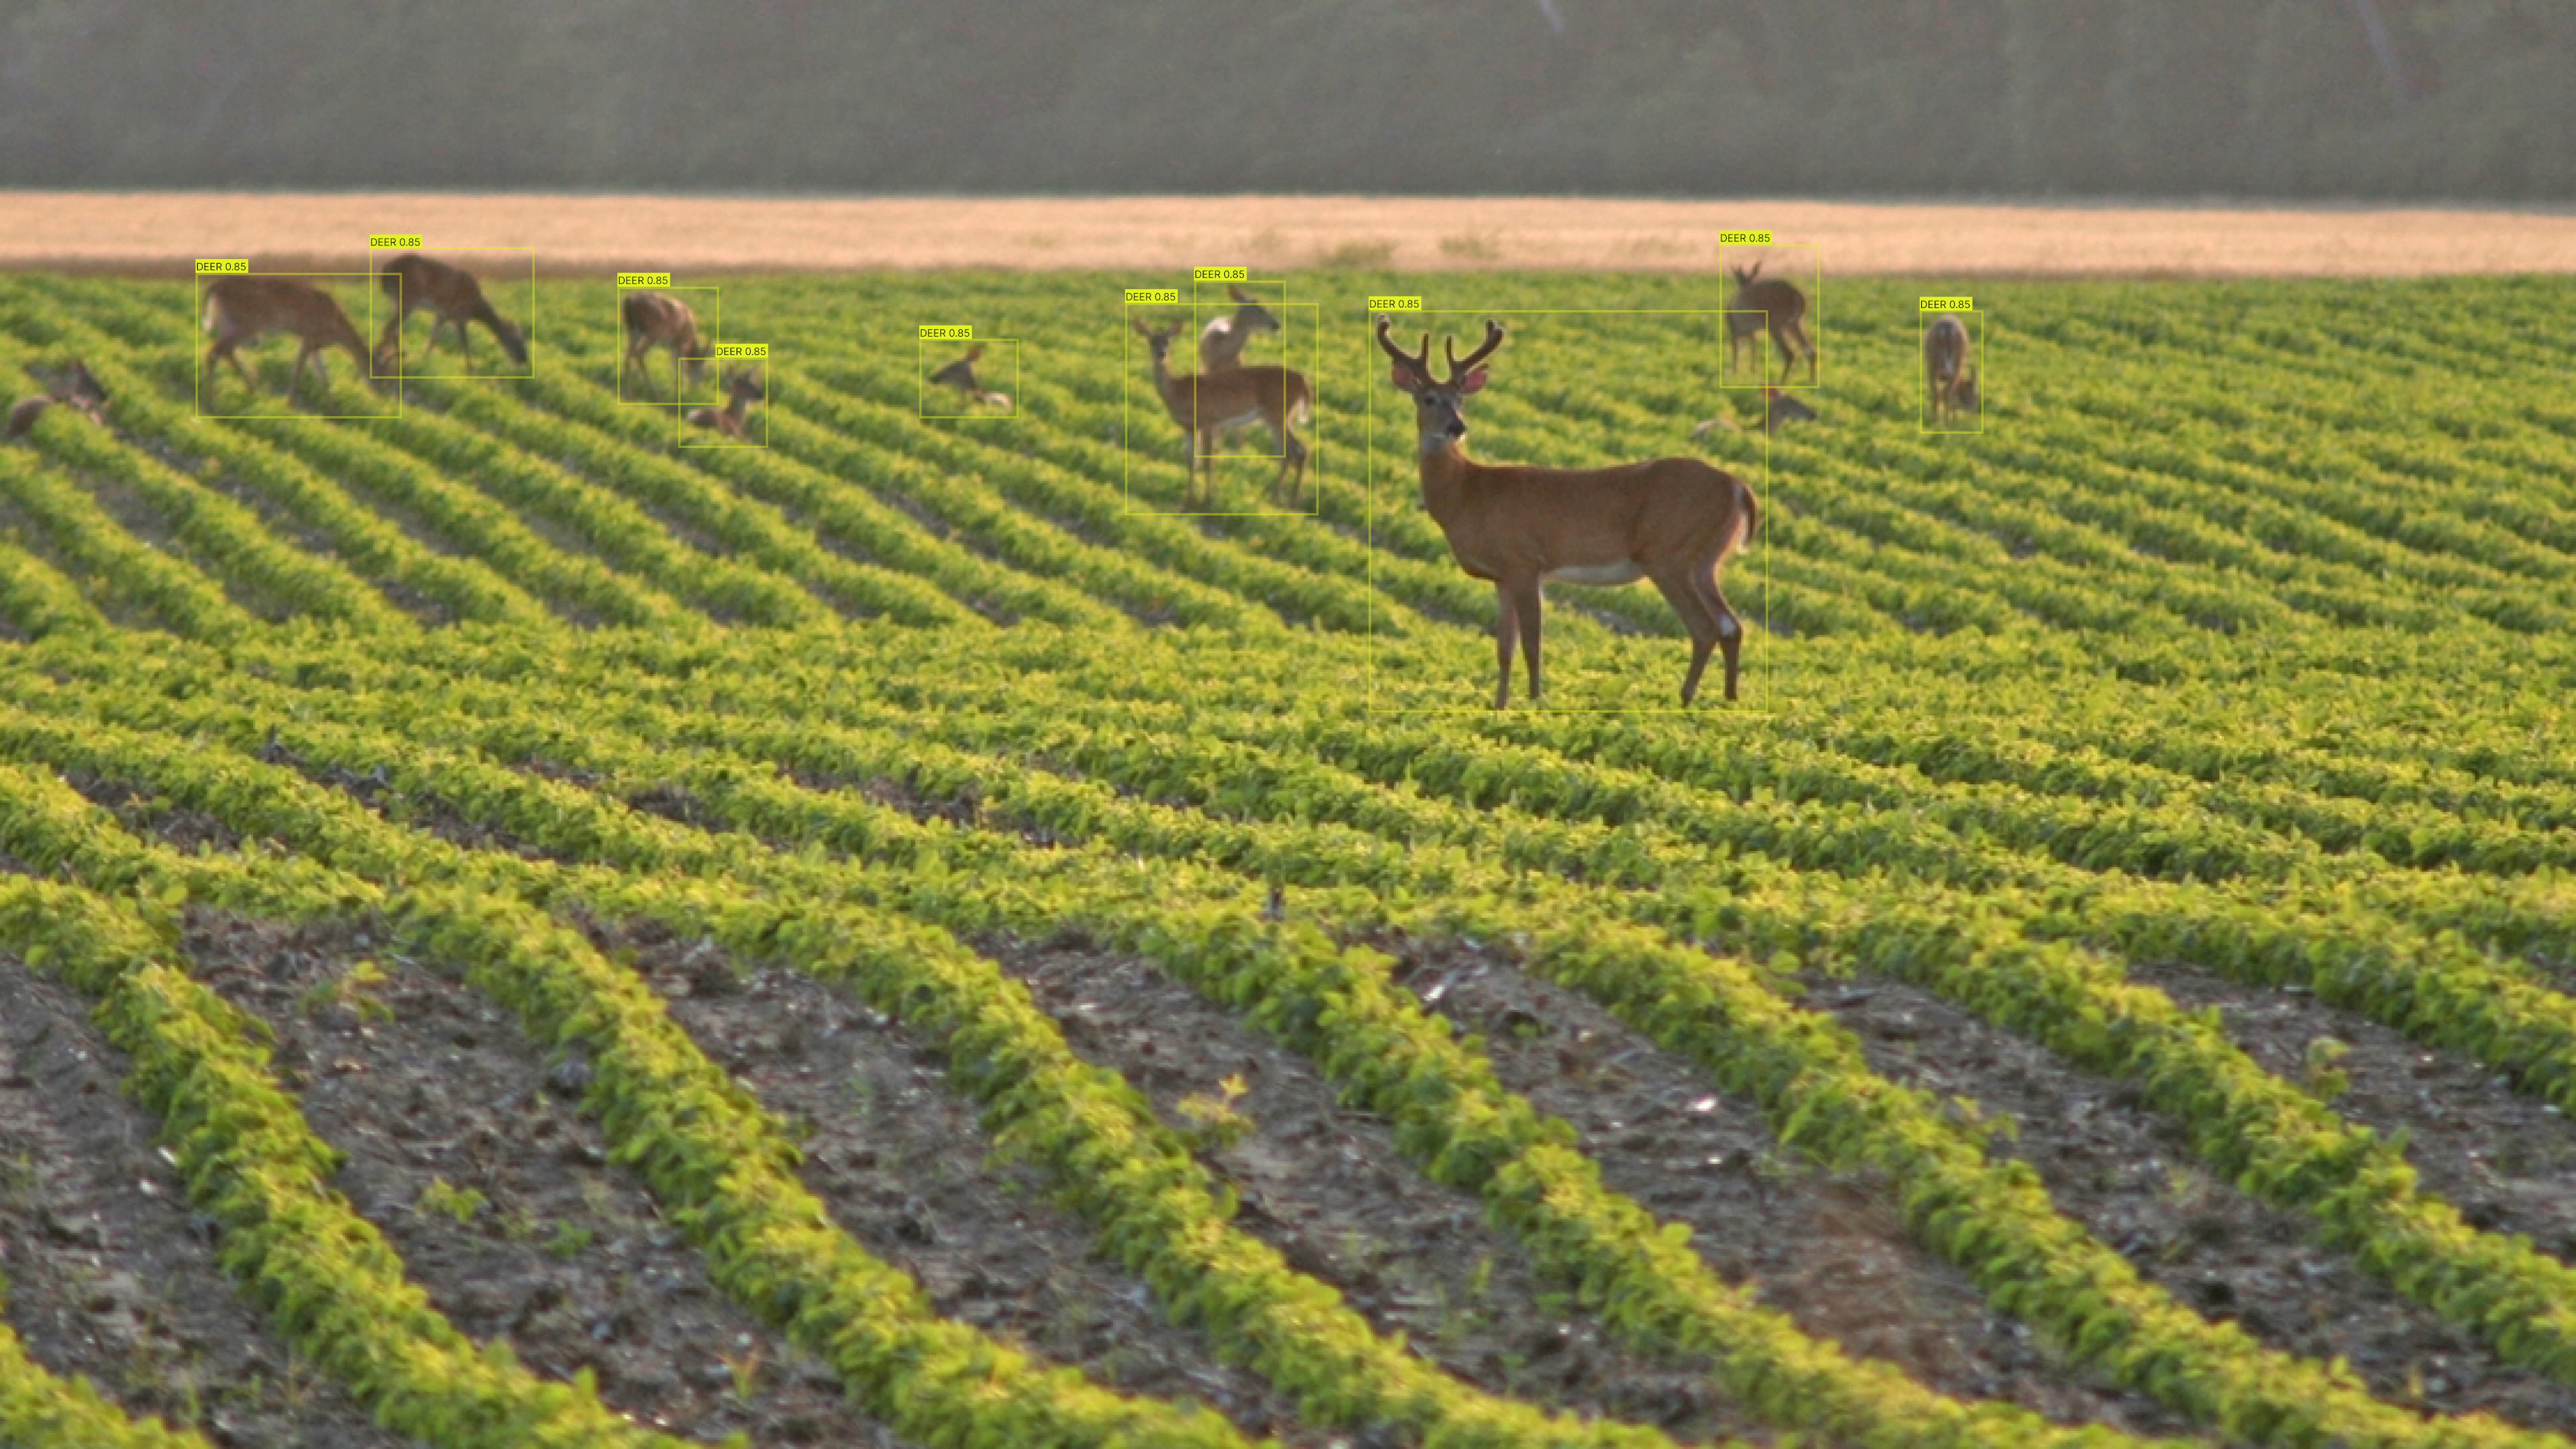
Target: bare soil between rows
161,233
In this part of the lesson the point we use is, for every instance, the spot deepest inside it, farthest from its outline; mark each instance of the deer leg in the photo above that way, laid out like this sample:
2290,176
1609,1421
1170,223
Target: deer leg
465,344
1806,345
1507,630
1526,604
1730,629
1695,616
1293,456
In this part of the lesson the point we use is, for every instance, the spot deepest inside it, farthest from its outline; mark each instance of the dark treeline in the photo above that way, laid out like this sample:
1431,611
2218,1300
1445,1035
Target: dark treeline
2383,99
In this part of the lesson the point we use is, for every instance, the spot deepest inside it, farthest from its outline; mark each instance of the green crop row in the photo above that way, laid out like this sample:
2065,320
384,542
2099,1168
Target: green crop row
334,1286
40,1411
1995,1216
722,1168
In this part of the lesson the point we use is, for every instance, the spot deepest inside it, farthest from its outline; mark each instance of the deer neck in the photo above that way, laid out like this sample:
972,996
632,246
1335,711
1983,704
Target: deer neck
1447,477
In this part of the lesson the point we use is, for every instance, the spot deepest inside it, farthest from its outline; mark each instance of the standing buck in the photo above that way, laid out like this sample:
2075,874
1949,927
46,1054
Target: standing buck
1783,308
657,319
239,309
453,298
1202,403
744,389
961,376
1953,378
1221,344
76,390
1675,521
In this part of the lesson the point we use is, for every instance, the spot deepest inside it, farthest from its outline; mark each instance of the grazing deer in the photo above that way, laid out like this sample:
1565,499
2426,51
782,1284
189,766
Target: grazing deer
1778,407
1222,342
961,376
1675,521
453,298
76,390
1946,366
1202,403
1782,307
658,319
745,389
239,309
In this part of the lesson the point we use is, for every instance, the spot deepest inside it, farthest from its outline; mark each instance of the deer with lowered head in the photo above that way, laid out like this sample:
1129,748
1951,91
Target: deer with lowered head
453,298
240,309
658,319
1947,368
1674,521
961,376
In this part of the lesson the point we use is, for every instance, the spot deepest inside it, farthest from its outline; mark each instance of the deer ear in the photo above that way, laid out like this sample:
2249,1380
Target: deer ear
1402,384
1472,383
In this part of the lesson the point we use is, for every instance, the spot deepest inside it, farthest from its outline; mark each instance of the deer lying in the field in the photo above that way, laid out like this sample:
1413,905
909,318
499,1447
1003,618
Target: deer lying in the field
75,389
453,298
1778,407
744,389
1672,520
239,309
961,376
1947,368
1202,403
657,319
1783,309
1222,341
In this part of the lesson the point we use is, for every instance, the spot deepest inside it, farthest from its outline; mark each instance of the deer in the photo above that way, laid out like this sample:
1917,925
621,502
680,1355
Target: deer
76,389
961,376
453,298
1782,307
239,309
658,319
1202,403
1946,367
1778,408
1222,341
1675,521
744,389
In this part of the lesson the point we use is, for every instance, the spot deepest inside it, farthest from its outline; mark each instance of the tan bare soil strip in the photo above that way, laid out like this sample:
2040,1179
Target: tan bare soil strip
588,235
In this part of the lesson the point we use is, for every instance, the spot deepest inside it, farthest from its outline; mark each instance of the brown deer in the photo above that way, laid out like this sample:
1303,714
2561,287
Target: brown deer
1946,366
744,389
961,376
1782,307
1202,403
453,298
239,309
1222,342
658,319
1778,407
1675,521
76,389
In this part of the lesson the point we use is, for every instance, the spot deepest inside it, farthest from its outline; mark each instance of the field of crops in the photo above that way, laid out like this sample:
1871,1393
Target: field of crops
517,932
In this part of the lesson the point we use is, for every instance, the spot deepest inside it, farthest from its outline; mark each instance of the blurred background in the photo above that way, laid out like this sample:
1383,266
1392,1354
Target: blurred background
2457,100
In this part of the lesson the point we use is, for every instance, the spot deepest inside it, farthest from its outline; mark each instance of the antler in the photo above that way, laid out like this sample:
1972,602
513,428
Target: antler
1449,346
1419,363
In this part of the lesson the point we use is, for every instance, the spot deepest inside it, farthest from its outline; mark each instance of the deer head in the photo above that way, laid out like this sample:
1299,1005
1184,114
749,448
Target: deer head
1159,340
1439,407
84,391
1250,314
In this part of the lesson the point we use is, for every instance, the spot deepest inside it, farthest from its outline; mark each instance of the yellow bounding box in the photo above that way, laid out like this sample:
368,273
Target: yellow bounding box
643,279
1744,238
930,333
1220,274
391,239
1949,304
1157,296
1395,304
239,265
741,349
